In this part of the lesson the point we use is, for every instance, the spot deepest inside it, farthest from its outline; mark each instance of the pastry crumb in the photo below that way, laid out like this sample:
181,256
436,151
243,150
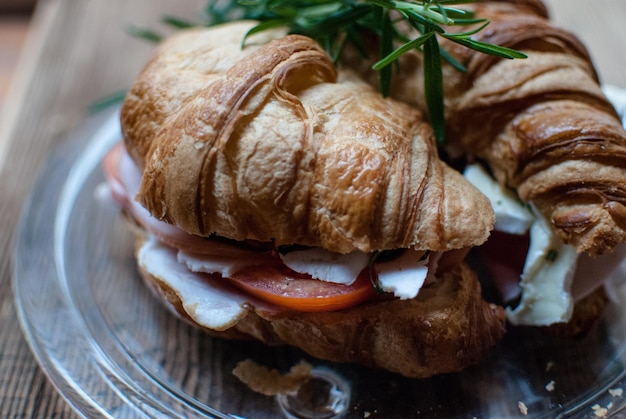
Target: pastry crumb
616,392
550,385
271,382
366,414
522,408
549,366
599,411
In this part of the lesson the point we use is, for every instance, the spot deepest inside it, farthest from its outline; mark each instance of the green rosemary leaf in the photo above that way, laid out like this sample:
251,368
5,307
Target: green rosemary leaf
443,11
263,26
552,255
452,61
320,11
386,48
106,102
468,21
470,32
334,22
420,23
385,4
393,56
219,11
177,23
433,87
372,274
487,48
456,2
456,14
146,34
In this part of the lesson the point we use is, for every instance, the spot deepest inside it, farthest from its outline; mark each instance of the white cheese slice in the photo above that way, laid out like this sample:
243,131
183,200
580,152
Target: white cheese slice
214,264
404,276
511,215
325,265
550,265
546,279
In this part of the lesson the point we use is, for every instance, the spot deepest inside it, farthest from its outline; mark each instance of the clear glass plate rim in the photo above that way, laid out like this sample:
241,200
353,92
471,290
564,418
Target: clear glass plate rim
83,165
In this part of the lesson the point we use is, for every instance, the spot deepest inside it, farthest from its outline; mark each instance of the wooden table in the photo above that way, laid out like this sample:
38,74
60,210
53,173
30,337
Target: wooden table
13,30
78,53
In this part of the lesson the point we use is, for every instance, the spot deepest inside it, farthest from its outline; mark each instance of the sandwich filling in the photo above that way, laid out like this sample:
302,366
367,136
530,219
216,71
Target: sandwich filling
539,276
261,274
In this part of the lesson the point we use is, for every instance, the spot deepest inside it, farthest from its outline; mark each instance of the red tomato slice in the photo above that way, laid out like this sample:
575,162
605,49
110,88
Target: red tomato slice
286,288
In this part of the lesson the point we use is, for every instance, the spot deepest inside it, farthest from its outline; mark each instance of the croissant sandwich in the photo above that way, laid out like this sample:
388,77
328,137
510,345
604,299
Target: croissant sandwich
541,131
274,197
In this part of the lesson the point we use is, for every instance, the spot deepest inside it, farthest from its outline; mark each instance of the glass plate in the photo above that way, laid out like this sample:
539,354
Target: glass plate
112,350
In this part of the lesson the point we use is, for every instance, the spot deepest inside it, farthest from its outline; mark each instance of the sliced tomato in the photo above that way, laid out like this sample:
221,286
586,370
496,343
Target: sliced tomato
282,286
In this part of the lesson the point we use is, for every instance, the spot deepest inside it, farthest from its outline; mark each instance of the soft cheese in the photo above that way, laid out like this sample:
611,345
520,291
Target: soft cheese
546,280
550,265
511,215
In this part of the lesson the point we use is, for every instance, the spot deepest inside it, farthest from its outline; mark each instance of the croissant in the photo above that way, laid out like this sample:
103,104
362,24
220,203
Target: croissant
240,152
542,123
275,148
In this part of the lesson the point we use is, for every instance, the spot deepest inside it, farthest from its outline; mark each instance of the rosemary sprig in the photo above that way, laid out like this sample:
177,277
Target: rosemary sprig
372,271
335,23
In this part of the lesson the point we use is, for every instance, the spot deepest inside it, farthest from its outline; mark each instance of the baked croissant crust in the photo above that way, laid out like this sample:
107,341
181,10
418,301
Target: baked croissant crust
542,123
445,329
269,143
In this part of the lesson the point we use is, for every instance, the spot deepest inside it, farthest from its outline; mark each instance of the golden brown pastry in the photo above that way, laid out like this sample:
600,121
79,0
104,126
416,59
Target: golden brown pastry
274,149
542,123
269,146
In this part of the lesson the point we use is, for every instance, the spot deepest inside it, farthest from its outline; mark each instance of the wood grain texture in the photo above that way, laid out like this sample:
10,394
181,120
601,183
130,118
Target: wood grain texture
77,52
600,25
13,30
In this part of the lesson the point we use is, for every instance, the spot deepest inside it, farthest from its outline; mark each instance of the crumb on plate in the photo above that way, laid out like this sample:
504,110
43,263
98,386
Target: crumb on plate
271,382
522,408
599,411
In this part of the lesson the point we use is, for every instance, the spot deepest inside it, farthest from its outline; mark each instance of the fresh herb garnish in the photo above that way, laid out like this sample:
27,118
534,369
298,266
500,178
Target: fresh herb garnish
144,33
373,275
336,23
106,102
552,255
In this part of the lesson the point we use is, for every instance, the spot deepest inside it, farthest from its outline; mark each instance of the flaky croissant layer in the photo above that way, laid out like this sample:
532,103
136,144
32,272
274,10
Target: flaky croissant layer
542,124
268,143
